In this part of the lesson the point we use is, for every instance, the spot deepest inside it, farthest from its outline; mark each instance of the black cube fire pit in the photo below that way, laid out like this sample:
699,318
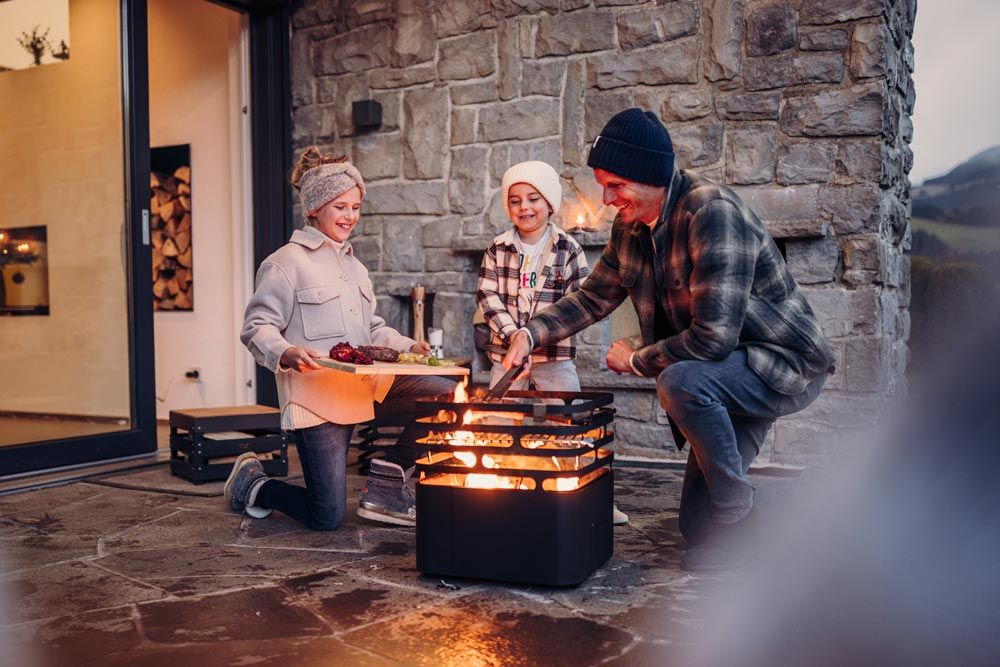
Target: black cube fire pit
518,489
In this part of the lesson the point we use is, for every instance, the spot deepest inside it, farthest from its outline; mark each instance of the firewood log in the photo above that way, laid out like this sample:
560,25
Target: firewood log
157,260
183,300
162,195
157,239
185,225
170,229
154,205
173,286
185,202
154,180
159,287
185,258
184,188
183,174
167,209
183,241
170,185
166,304
169,248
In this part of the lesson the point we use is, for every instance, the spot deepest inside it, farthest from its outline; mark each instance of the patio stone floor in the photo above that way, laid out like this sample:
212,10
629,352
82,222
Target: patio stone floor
94,574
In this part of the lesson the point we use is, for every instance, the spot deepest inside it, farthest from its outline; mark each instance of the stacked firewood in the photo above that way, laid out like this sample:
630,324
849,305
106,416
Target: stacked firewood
170,225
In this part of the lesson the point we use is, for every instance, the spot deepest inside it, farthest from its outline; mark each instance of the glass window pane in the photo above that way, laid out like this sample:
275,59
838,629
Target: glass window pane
63,304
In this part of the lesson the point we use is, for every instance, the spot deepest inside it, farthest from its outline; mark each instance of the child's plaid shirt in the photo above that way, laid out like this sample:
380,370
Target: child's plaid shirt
563,269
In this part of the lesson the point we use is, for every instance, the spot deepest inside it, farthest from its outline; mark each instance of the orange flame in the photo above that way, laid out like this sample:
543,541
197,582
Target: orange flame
487,481
461,396
468,458
567,483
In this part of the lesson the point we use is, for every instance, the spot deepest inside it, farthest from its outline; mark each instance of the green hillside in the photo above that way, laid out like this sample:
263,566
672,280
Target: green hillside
962,238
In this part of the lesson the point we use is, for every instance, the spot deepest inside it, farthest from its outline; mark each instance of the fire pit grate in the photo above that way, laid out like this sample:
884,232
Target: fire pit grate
518,489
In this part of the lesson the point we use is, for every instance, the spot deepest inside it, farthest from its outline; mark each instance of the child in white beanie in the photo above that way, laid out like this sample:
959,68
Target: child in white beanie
528,268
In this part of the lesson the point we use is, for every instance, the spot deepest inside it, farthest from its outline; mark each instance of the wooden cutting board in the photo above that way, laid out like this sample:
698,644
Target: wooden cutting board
387,368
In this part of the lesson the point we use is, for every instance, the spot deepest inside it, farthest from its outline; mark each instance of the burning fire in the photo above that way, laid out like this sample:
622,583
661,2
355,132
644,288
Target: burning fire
567,483
465,439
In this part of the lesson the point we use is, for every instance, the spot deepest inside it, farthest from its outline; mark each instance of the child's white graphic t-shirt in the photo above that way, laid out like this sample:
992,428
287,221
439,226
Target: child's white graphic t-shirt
530,271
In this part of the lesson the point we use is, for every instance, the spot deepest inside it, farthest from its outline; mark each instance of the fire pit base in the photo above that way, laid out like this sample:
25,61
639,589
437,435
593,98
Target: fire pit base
528,537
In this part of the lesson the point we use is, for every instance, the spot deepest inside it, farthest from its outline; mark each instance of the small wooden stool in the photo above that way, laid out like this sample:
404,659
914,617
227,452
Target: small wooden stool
204,442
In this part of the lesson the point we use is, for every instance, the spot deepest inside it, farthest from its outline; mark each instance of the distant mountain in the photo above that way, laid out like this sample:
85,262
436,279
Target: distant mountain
969,194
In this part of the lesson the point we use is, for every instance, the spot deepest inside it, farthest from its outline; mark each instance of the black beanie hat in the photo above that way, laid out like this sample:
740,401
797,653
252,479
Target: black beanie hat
635,145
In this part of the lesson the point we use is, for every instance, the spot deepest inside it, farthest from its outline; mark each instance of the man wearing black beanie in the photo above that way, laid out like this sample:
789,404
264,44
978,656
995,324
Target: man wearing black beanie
726,332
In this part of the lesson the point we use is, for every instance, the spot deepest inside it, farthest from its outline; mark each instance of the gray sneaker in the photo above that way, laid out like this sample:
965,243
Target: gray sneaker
386,496
246,471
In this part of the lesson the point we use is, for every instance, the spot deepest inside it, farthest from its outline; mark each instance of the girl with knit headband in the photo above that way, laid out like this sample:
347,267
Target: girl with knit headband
311,294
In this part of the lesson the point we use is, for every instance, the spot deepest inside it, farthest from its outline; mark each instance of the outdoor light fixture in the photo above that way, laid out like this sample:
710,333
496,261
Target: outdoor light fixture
516,489
366,114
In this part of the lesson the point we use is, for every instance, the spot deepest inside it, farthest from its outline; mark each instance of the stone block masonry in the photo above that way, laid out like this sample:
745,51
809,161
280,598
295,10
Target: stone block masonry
801,106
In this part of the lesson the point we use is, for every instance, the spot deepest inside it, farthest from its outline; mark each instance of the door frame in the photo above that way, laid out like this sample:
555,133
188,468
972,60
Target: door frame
271,139
270,117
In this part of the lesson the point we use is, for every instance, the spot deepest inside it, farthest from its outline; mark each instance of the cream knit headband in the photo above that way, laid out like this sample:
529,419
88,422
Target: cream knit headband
325,183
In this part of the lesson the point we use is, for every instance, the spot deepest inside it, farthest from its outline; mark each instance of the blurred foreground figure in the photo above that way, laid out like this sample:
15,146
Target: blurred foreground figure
894,558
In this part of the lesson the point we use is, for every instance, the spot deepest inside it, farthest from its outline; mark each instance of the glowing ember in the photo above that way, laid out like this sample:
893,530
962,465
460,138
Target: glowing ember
487,481
567,483
580,220
468,458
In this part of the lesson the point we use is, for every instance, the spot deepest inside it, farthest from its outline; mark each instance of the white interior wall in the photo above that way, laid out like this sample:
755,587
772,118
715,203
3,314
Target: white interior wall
195,98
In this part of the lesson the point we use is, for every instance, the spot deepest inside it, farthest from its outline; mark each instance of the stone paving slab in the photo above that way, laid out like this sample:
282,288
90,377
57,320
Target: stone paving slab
97,575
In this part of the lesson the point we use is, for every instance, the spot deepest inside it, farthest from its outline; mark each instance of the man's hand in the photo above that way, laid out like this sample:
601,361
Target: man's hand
519,352
301,359
618,356
421,348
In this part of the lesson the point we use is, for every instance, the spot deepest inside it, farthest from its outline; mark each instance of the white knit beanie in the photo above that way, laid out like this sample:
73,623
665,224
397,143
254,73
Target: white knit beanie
538,175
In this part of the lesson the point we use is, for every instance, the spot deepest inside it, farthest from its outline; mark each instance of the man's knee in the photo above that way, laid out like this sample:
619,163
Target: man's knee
678,384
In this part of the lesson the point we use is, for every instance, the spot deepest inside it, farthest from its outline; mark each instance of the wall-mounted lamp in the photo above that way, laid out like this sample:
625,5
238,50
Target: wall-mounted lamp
366,114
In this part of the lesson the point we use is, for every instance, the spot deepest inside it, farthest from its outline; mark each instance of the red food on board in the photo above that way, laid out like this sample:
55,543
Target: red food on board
346,353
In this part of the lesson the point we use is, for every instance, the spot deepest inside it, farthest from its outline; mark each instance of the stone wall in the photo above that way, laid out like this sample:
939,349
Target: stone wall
802,106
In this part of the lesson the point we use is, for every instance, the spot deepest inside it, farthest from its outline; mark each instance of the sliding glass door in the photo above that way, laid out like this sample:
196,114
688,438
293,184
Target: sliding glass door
76,381
76,295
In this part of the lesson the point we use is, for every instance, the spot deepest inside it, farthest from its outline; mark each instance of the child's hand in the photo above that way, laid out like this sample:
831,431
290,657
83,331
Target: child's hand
421,348
301,359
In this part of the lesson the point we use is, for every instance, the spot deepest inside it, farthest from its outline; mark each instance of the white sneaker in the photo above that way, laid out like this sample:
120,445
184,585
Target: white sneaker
618,517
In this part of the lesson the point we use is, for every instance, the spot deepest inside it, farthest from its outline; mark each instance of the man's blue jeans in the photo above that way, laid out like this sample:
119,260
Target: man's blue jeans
323,454
724,409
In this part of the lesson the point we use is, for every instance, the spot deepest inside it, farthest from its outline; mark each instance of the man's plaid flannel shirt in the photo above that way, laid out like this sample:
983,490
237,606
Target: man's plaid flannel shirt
564,269
721,281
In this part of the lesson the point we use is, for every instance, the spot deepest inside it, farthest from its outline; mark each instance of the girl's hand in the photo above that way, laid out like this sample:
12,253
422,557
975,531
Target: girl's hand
421,348
301,359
